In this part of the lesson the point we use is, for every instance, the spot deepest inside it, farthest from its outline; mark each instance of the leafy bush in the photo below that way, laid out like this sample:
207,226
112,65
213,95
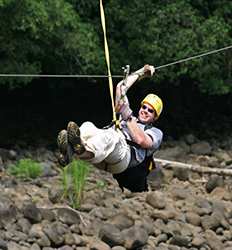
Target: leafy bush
26,169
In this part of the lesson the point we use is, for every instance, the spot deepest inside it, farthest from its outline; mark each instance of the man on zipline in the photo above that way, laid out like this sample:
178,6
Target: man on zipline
126,153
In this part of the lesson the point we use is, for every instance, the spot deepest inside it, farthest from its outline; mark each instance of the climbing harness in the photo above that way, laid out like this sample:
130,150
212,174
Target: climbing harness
134,178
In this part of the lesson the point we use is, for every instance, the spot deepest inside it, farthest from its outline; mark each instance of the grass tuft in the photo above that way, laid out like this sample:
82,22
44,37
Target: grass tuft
25,169
73,180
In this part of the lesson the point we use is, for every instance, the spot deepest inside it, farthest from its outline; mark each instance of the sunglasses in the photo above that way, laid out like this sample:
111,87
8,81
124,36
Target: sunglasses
145,107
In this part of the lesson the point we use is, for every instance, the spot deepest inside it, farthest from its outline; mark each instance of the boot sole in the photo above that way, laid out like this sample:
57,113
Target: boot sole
74,138
65,149
62,141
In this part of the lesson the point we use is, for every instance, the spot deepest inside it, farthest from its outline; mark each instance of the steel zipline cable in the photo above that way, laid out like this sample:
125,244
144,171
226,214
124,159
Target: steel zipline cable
59,76
118,76
193,57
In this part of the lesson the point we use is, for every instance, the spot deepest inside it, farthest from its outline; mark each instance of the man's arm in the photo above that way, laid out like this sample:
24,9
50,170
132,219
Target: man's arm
138,135
121,90
123,86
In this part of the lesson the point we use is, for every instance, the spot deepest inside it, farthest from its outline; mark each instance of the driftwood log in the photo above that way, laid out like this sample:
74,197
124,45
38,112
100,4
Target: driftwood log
193,167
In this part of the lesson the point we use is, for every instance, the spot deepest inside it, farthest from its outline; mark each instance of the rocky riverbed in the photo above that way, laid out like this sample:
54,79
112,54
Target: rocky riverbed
182,210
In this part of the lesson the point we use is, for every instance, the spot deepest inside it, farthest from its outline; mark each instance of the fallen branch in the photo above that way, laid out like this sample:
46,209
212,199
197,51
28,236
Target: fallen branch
68,208
193,167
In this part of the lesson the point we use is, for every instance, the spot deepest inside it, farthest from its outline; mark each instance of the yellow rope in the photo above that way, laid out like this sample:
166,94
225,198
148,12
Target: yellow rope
107,56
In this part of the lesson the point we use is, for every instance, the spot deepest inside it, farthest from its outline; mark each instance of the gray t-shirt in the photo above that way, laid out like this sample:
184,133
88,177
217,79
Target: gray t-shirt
138,153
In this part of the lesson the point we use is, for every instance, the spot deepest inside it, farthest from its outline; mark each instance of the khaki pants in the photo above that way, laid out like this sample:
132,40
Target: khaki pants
110,149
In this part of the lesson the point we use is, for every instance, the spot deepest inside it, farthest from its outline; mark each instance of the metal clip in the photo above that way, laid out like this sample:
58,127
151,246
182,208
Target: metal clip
126,72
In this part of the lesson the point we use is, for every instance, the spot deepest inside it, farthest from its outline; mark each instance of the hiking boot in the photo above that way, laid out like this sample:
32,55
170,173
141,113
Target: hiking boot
74,138
63,160
146,71
62,141
65,151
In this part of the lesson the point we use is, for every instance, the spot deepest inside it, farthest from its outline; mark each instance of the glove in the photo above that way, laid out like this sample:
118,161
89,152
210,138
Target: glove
146,71
125,111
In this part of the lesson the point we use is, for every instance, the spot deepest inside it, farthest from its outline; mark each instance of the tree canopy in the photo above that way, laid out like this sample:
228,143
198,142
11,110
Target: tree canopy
65,37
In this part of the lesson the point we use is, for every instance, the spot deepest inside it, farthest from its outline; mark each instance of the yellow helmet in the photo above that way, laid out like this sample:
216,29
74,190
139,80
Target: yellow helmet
155,102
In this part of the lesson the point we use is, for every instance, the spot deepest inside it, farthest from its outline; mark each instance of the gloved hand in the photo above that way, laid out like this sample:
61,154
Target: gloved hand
146,71
125,111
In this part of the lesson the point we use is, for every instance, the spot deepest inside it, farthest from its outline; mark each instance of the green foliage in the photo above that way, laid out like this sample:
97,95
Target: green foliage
73,182
167,31
26,169
65,37
45,37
